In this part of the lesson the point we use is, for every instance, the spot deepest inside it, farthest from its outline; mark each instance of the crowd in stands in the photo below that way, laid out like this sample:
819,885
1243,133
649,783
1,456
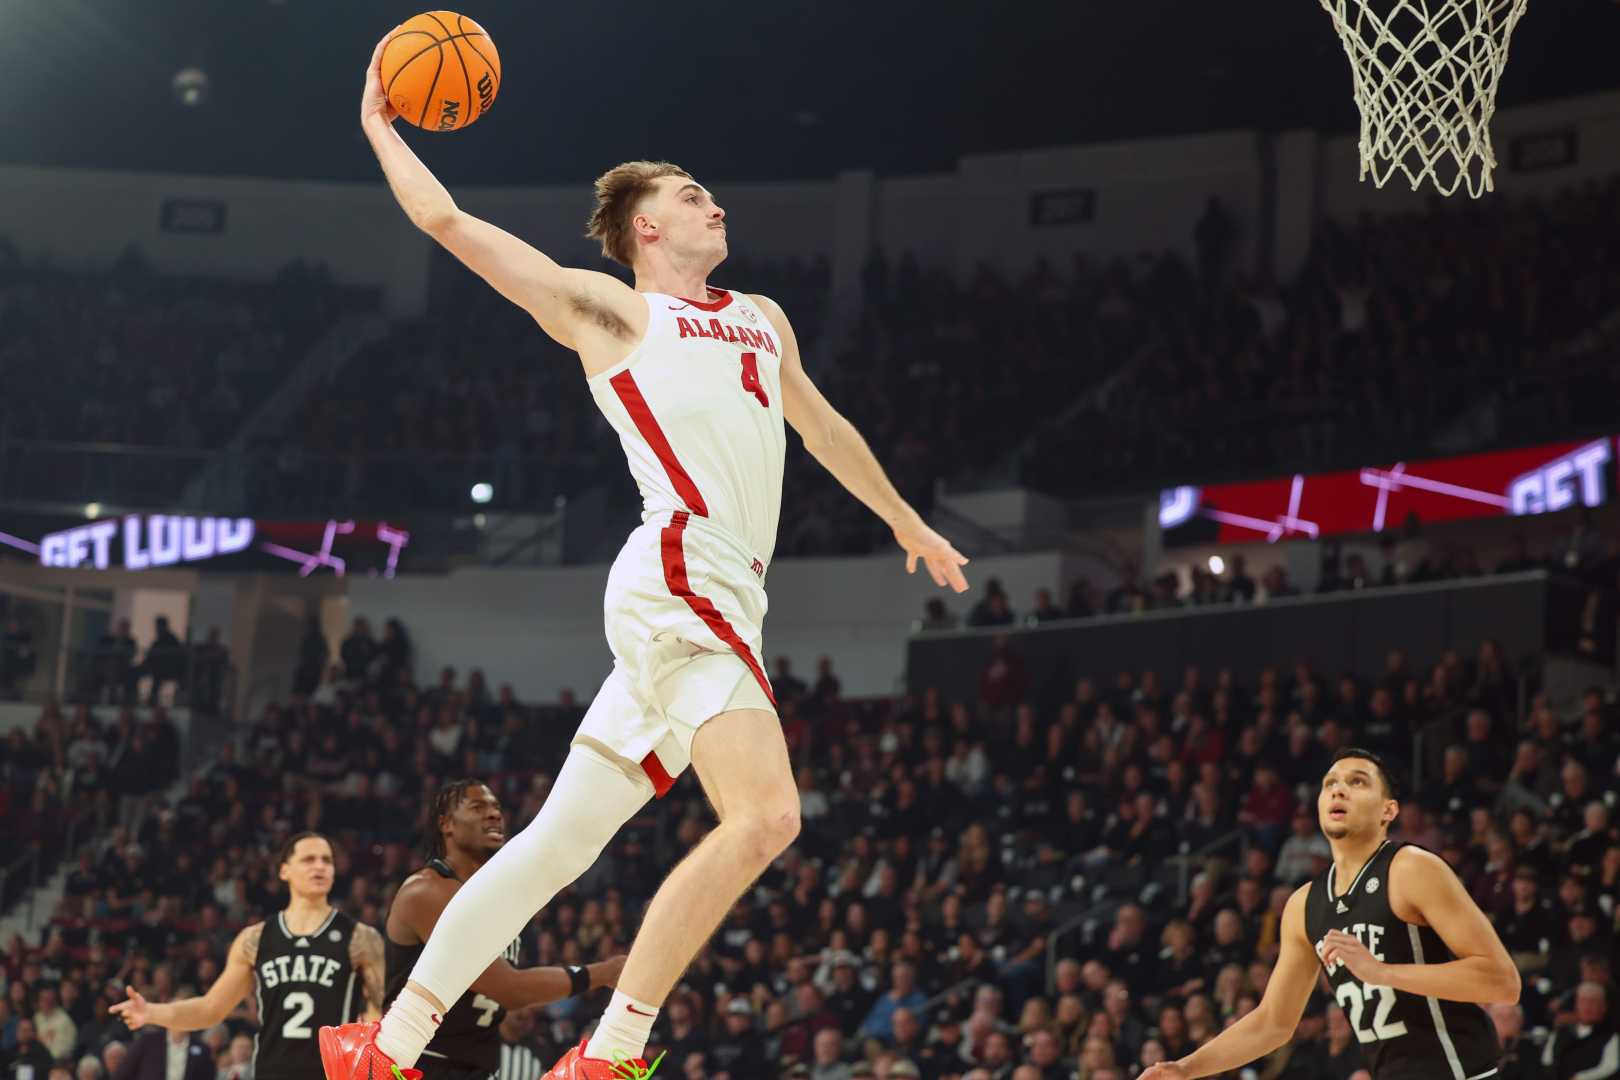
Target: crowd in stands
945,844
473,393
113,670
133,356
1586,557
72,772
1392,331
1098,376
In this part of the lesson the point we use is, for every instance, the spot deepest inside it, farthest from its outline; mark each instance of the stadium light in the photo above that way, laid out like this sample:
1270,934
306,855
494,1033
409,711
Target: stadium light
481,493
1217,565
92,510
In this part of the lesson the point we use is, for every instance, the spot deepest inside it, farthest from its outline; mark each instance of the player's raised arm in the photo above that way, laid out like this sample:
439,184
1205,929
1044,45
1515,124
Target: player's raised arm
1423,889
833,441
1273,1021
195,1014
417,907
574,306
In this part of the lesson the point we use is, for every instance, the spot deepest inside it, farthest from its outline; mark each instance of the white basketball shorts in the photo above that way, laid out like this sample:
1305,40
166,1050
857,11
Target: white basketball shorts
684,611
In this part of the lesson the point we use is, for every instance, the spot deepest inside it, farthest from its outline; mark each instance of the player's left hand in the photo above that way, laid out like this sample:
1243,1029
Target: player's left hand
133,1010
944,562
1347,949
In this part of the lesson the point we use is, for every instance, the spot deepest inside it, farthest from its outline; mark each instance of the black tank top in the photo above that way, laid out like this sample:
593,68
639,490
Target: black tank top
305,982
1403,1036
470,1036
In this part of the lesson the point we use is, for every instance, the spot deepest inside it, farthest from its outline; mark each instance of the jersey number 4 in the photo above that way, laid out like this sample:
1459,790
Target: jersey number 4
750,378
1355,998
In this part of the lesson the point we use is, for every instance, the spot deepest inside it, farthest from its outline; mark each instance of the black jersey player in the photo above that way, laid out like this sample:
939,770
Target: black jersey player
309,966
465,827
1408,954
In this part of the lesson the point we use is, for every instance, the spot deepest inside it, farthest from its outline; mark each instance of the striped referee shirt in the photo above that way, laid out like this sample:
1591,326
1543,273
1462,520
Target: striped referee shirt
519,1063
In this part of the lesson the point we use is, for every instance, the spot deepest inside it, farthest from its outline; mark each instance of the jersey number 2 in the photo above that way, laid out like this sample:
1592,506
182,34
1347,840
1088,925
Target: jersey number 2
1354,997
300,1007
750,377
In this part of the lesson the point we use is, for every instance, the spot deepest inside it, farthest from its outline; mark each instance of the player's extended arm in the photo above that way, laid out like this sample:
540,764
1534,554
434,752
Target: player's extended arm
416,912
570,305
833,441
1272,1022
195,1014
367,956
1483,971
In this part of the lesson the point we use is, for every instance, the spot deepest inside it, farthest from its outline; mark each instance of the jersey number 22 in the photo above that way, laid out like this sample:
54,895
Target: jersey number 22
1355,998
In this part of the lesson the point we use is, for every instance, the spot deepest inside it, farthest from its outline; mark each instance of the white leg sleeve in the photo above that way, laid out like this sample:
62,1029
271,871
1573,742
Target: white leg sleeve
590,801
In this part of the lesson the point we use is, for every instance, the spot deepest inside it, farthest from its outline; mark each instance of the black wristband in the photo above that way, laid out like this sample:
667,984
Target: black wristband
579,978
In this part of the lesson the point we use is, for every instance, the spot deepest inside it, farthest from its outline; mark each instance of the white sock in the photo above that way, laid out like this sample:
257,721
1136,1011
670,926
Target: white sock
624,1030
407,1027
591,799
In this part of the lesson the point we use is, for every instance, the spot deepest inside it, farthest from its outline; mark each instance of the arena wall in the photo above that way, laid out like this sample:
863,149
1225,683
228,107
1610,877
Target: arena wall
541,630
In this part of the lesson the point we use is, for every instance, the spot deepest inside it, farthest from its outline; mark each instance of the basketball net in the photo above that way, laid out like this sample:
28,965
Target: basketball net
1426,73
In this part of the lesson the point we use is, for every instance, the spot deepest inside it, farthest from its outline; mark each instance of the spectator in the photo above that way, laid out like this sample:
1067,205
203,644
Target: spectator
158,1054
31,1060
1588,1046
1305,853
17,659
902,994
828,1062
936,616
1045,610
313,653
359,649
53,1026
164,664
994,609
1519,1056
788,687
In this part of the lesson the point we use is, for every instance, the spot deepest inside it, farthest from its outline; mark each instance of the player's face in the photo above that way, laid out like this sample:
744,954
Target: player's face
477,825
694,225
1352,799
309,870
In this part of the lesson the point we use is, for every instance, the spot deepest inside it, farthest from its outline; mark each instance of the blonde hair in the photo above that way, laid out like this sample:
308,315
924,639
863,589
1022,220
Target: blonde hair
618,192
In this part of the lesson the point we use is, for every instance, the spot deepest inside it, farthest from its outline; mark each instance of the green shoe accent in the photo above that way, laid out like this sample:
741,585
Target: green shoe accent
397,1074
632,1068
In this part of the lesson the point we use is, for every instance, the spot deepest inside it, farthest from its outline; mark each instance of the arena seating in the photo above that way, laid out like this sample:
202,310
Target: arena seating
947,848
949,380
134,357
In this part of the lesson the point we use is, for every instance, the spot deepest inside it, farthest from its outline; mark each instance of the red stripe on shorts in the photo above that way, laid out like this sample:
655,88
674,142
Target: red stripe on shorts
661,780
624,384
675,577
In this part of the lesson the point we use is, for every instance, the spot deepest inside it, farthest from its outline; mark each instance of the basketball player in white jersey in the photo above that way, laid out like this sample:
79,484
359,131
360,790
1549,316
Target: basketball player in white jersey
698,382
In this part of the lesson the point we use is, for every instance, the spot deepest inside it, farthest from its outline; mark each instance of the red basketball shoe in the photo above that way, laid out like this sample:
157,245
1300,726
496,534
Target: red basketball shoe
350,1053
576,1066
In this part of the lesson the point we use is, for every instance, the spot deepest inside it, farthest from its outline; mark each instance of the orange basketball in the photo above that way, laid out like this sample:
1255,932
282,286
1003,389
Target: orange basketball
441,71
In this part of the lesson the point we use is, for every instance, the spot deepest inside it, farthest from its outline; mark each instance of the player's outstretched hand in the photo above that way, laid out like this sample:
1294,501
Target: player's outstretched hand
944,562
1165,1070
373,102
133,1011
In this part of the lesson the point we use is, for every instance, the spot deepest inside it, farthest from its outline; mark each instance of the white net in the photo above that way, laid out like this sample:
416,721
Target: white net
1426,73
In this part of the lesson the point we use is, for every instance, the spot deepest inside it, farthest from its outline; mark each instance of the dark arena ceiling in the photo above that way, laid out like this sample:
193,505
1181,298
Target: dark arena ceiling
776,89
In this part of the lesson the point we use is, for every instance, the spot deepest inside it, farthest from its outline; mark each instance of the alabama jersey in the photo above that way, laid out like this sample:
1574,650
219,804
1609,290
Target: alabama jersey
1403,1036
697,406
